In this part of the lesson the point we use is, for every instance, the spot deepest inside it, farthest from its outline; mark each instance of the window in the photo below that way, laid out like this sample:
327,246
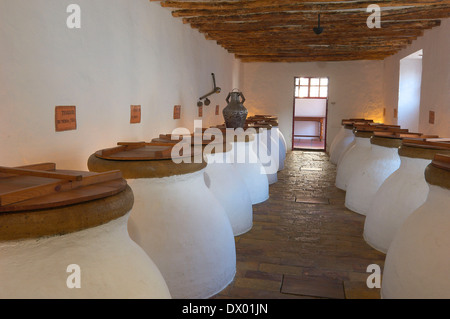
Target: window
307,87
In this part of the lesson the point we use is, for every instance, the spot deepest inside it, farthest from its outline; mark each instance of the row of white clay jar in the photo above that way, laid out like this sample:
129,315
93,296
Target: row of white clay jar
386,183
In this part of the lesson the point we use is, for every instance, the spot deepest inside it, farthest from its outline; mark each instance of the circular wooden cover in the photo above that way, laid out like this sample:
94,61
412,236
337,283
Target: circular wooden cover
54,221
141,151
424,148
195,139
390,139
230,135
367,130
438,172
134,169
258,126
41,186
427,142
263,119
353,121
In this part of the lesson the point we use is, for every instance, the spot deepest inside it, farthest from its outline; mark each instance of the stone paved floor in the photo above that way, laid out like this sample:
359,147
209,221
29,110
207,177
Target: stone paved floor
304,250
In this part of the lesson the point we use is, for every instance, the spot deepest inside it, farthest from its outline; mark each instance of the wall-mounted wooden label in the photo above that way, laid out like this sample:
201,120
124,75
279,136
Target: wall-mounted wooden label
431,117
177,112
135,116
217,110
65,118
395,113
200,111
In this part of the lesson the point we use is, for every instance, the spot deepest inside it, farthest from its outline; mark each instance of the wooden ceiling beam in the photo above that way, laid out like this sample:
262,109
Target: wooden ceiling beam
357,46
281,30
329,34
320,51
317,54
300,6
263,27
248,4
303,46
311,58
298,49
414,13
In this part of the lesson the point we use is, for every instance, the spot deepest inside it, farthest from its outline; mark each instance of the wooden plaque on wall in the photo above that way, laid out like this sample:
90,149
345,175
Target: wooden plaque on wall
217,110
65,118
177,112
135,116
200,111
431,117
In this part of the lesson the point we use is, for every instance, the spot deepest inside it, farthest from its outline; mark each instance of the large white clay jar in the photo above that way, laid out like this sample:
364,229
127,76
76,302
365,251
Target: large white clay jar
267,150
344,139
382,161
335,141
279,145
355,156
401,193
275,135
417,263
223,179
341,146
69,240
249,166
221,175
176,219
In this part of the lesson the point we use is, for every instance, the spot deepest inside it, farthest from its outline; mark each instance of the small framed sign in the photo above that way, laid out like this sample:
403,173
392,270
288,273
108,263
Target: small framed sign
217,110
65,118
431,117
135,116
177,112
200,111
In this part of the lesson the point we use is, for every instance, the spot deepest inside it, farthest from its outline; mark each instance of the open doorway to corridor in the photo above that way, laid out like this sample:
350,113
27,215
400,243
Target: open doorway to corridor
310,113
410,81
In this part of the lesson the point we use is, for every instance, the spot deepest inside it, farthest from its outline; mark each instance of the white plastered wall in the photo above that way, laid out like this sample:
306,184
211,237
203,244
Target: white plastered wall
355,90
435,90
125,53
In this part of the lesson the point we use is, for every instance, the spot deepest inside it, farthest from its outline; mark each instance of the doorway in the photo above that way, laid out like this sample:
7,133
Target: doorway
310,113
409,91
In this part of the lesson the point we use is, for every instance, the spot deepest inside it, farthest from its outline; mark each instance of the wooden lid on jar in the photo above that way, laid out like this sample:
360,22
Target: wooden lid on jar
258,126
367,130
438,172
147,160
263,119
39,200
237,135
194,138
265,116
425,148
391,139
352,121
207,142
